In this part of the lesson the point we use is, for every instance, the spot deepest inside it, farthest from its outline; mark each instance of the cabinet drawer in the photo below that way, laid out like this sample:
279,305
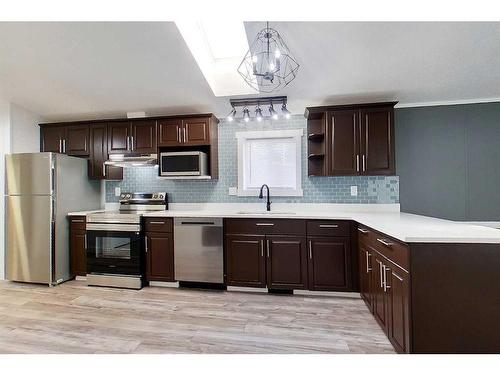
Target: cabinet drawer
77,222
160,224
393,250
327,228
265,226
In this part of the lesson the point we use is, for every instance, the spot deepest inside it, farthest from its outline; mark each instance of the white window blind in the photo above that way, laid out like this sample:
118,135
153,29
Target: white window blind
272,158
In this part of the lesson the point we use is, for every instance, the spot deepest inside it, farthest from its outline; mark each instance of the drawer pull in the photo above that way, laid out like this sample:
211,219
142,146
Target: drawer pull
146,243
368,268
386,287
310,250
267,248
157,222
264,224
384,242
262,248
328,226
78,221
364,231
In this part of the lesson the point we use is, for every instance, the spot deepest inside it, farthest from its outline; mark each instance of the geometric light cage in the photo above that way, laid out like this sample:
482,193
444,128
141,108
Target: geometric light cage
268,65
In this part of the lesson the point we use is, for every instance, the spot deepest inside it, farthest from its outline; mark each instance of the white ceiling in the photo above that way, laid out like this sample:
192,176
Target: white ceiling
89,70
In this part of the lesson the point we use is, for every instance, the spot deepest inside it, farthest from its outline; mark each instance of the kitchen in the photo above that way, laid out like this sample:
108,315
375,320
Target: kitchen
292,221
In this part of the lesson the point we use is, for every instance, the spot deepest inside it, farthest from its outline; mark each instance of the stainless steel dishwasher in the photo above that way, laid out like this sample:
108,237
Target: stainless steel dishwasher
198,250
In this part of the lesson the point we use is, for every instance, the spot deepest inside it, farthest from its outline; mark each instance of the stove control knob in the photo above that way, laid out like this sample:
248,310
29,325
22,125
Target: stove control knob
128,196
155,196
161,196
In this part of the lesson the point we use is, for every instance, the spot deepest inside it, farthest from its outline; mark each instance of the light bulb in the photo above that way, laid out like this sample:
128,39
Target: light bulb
272,66
230,116
246,115
285,111
254,58
258,114
272,112
277,54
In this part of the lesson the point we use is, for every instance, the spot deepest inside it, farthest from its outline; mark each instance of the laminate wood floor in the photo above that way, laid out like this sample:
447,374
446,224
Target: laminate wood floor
75,318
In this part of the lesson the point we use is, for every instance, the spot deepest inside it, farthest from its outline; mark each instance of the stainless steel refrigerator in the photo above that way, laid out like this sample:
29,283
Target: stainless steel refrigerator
41,188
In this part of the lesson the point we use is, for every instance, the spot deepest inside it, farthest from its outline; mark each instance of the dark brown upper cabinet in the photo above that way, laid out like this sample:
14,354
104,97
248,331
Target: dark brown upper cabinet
355,139
126,137
77,141
185,131
170,132
99,154
71,140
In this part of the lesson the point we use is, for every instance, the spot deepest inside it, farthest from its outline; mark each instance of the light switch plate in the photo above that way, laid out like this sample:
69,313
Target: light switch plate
233,191
354,191
118,191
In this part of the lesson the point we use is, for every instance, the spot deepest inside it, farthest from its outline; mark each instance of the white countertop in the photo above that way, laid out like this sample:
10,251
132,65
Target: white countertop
402,226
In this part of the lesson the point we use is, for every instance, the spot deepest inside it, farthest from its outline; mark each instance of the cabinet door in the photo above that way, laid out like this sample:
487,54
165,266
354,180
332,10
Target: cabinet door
77,141
365,274
78,253
343,133
377,141
398,306
329,263
99,154
52,138
245,261
170,132
196,131
144,137
119,137
159,257
286,262
379,296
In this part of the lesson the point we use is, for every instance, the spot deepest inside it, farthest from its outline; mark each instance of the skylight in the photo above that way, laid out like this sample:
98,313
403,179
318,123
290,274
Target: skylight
218,48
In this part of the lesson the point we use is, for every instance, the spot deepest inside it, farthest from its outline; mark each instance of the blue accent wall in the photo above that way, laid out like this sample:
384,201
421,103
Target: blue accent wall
371,189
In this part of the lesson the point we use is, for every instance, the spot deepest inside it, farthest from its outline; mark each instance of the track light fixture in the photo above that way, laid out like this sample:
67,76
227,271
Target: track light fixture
245,103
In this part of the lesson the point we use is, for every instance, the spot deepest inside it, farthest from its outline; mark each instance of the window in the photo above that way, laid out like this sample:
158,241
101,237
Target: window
272,158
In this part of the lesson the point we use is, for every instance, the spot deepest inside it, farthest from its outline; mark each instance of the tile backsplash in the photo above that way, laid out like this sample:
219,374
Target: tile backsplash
371,189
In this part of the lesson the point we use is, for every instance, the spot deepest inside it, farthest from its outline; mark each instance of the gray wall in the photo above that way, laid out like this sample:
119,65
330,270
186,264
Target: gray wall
448,161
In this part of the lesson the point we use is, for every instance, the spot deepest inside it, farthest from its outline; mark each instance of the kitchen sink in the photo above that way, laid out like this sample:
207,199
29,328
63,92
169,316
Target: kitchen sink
265,213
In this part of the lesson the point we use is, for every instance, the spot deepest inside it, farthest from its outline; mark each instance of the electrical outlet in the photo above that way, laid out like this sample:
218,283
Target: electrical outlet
354,191
233,191
118,191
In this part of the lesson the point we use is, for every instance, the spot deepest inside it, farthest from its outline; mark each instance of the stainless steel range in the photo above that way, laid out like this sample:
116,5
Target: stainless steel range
115,253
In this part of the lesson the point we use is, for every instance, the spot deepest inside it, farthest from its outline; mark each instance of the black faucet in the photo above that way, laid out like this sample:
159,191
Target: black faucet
268,204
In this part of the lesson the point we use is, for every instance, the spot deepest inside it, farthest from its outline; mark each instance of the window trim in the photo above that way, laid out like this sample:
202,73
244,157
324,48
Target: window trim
296,134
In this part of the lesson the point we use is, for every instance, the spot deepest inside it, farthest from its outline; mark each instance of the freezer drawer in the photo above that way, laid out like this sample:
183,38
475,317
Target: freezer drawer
29,230
198,250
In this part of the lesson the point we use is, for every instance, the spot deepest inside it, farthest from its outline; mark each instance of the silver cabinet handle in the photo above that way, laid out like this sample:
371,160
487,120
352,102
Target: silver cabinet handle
386,287
179,138
64,146
364,231
364,163
128,142
384,242
310,250
132,143
328,226
264,224
185,132
85,242
357,163
78,221
60,145
146,243
368,268
262,248
103,170
267,248
158,222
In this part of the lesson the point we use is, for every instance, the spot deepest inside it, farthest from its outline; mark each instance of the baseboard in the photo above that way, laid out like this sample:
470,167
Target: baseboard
299,292
165,284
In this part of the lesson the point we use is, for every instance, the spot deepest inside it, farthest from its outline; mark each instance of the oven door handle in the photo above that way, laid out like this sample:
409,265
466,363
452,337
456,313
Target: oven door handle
112,227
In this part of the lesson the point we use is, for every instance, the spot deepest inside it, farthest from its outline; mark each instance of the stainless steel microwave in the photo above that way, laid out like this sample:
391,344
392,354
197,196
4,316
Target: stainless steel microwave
183,163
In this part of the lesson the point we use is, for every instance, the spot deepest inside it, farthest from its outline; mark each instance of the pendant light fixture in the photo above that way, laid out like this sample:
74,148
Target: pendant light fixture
268,65
259,103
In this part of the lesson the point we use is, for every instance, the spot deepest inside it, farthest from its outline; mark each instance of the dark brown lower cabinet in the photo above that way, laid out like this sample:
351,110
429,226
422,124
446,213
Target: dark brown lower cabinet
245,260
286,262
78,255
365,274
329,260
398,306
379,296
159,256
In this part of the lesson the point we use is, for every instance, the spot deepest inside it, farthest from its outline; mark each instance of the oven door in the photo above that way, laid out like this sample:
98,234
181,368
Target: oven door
111,249
180,164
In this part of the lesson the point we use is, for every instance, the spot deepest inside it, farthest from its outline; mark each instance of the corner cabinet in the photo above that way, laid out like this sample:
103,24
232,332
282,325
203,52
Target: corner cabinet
349,140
